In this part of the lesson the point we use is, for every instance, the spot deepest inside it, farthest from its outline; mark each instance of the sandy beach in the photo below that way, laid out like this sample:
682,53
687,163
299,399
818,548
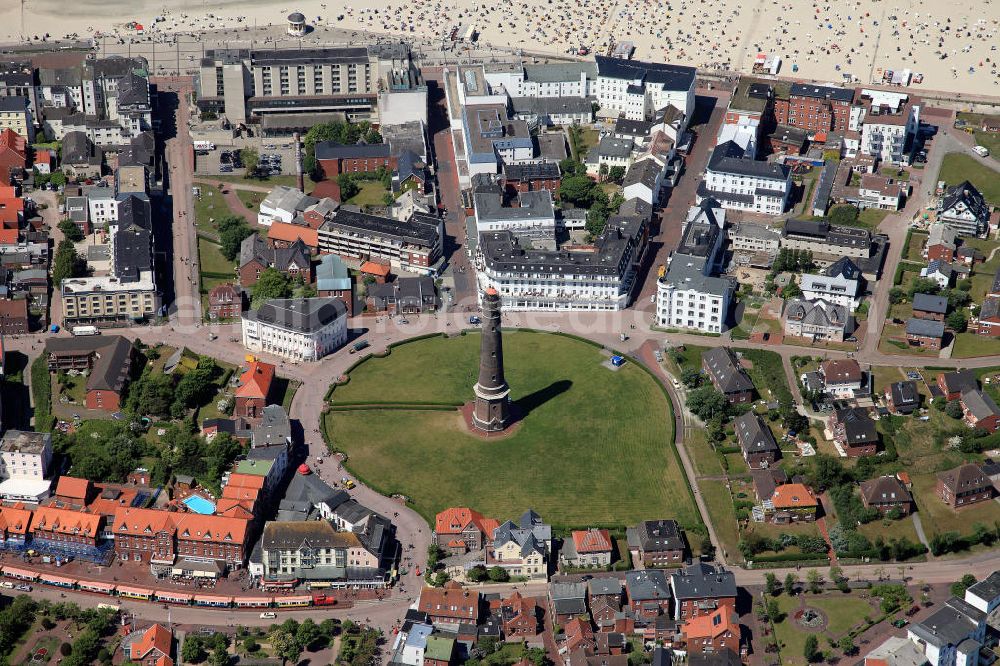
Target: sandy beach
953,44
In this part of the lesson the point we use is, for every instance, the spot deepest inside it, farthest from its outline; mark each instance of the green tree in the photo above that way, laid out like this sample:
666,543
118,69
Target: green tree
847,646
791,290
193,651
843,214
954,409
616,174
570,167
71,231
896,295
790,580
250,645
151,395
308,634
233,230
706,402
285,645
271,284
691,377
250,158
773,609
578,190
957,321
499,575
348,186
219,657
811,649
707,547
477,574
771,584
67,263
959,587
924,286
815,581
57,178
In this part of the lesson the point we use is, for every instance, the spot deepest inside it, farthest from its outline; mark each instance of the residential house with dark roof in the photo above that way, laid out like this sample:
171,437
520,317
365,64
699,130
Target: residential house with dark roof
765,481
726,375
930,306
404,295
886,493
333,280
657,543
980,411
842,378
954,384
985,594
531,177
941,244
952,634
756,441
108,358
987,321
14,316
80,157
648,593
567,600
334,158
902,397
517,551
224,302
854,431
605,596
256,257
963,485
964,209
924,333
816,320
702,588
520,616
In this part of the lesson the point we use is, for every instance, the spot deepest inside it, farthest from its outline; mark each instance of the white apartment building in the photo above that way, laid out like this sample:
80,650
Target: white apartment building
688,293
25,458
102,206
740,183
414,245
889,121
299,329
753,238
839,284
562,280
312,549
640,89
108,298
566,79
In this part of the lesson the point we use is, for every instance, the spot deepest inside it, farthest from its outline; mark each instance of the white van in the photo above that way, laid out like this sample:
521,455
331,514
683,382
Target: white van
982,151
268,615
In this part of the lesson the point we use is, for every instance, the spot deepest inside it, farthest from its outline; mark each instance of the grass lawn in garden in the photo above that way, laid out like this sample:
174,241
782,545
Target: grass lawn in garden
370,193
284,391
689,357
917,442
579,455
210,205
957,167
968,345
703,456
210,259
885,376
271,181
891,529
939,517
251,198
916,246
990,140
767,373
719,503
843,612
872,217
74,388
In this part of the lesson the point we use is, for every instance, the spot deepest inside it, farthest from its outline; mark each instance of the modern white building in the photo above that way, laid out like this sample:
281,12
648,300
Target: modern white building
25,458
297,329
751,238
952,635
985,595
964,210
644,179
638,89
688,292
889,121
839,284
738,182
564,79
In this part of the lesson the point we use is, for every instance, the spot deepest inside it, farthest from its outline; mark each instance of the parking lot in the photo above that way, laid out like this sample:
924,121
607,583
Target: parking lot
278,155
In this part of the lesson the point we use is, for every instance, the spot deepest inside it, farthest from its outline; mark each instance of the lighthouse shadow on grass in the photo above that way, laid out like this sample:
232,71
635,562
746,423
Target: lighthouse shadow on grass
523,406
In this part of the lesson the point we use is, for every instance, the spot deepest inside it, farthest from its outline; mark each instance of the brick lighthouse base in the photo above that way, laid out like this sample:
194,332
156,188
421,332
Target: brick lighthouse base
512,426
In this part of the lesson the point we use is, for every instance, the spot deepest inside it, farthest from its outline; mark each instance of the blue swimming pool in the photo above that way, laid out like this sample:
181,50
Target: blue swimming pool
199,504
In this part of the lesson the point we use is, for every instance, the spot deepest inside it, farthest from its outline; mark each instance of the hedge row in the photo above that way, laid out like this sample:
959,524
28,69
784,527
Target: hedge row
41,394
391,403
402,407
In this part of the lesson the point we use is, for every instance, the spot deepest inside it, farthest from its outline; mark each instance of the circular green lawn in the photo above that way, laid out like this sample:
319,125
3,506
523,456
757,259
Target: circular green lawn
594,447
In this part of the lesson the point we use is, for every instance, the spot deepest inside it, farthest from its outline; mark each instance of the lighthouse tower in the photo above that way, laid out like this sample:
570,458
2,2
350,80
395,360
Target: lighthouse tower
492,409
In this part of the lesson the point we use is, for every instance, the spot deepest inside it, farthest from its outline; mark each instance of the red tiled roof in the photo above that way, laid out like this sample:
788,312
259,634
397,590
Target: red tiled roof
792,496
65,521
245,481
8,236
456,519
289,233
142,522
592,541
73,488
157,638
240,493
373,268
255,382
451,602
11,140
711,626
15,520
